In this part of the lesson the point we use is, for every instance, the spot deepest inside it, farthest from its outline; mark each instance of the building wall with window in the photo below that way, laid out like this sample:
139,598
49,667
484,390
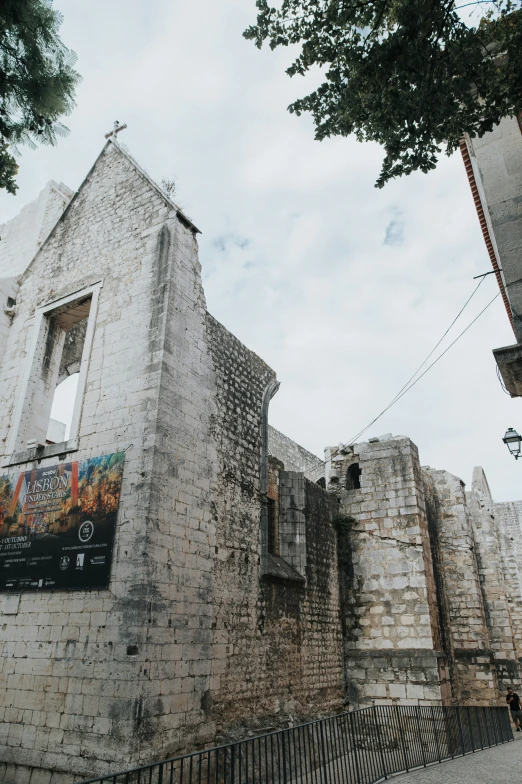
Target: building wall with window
75,688
201,632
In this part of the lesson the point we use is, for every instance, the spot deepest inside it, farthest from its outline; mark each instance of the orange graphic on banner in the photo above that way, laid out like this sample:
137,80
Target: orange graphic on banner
12,508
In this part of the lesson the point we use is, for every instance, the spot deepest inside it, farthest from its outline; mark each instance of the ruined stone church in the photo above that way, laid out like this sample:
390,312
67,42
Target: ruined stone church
173,570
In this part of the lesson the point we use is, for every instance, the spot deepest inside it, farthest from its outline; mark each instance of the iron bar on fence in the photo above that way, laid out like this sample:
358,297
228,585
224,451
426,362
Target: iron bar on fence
360,747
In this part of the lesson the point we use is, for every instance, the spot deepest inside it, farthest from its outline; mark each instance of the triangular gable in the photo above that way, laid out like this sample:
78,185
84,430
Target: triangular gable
180,215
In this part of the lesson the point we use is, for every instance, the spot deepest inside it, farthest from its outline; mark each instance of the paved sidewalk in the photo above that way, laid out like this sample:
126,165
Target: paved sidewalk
499,765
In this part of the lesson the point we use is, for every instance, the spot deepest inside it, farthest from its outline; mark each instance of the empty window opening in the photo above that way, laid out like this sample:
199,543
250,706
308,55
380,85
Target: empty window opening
59,351
353,477
62,358
273,527
62,409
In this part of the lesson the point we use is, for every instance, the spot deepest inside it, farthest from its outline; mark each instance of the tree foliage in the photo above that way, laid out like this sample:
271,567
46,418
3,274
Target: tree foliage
37,80
411,75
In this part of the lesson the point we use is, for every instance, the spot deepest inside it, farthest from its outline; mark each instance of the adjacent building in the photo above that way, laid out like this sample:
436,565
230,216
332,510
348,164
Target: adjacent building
494,167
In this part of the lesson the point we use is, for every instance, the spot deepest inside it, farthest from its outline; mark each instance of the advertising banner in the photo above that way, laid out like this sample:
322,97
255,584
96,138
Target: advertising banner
57,525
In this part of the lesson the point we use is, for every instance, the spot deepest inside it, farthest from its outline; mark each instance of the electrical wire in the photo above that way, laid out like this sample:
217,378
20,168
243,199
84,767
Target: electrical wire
408,384
435,347
476,2
396,399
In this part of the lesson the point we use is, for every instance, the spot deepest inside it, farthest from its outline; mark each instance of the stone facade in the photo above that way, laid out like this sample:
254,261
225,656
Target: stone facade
433,596
197,634
252,584
392,642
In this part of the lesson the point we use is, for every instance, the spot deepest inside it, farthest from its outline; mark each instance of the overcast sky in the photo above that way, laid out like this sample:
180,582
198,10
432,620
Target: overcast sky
343,289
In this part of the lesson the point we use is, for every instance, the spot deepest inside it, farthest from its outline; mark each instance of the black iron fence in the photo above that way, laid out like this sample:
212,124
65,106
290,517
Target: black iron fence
360,747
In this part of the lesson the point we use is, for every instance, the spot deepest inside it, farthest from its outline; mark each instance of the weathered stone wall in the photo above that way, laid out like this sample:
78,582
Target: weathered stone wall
278,629
500,624
464,634
195,636
383,589
390,608
294,456
76,686
508,517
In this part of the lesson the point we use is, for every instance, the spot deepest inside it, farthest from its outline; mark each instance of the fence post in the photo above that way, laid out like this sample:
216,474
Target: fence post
437,746
417,709
479,722
457,709
355,754
470,725
284,756
323,753
403,742
379,739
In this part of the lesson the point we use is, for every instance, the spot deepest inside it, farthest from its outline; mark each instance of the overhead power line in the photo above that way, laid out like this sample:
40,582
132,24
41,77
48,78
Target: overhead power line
411,383
407,389
435,347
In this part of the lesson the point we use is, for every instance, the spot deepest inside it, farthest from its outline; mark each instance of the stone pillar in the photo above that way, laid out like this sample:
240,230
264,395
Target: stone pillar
392,646
463,622
489,559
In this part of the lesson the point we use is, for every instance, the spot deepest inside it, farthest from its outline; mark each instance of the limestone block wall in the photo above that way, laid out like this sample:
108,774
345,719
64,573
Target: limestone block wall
277,635
177,649
75,683
511,574
464,634
294,456
193,638
390,610
292,520
508,517
501,629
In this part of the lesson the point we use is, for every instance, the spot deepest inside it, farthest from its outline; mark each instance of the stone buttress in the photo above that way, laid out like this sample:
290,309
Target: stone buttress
392,641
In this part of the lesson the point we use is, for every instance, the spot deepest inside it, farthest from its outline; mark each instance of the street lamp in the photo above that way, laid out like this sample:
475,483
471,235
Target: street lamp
513,442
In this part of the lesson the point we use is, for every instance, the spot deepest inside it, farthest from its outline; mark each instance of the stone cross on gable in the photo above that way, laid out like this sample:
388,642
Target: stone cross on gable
117,128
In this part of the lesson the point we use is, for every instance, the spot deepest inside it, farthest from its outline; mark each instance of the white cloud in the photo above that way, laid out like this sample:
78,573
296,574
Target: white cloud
293,245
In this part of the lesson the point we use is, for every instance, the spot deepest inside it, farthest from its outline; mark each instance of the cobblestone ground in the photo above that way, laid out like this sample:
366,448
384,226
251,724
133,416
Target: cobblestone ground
500,765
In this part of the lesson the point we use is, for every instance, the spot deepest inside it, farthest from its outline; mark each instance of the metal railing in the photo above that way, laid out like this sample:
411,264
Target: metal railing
360,747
